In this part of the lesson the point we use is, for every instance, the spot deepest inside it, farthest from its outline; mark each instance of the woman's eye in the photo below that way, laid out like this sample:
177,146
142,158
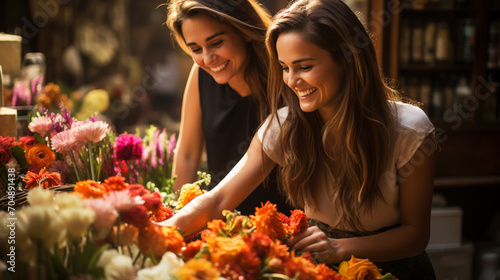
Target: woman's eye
217,43
285,68
305,67
196,50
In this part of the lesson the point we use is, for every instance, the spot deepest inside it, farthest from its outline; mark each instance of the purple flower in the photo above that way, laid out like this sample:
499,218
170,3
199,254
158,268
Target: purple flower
128,146
171,147
21,94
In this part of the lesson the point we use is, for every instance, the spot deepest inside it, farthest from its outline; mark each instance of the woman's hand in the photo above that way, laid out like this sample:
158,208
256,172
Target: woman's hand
316,242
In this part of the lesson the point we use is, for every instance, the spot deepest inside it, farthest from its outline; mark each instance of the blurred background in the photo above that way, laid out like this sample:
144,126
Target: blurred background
116,58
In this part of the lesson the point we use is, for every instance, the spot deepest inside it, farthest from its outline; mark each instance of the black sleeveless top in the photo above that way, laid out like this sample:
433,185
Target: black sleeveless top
229,122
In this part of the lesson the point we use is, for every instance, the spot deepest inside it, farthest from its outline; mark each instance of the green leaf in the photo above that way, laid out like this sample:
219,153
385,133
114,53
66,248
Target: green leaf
18,154
93,261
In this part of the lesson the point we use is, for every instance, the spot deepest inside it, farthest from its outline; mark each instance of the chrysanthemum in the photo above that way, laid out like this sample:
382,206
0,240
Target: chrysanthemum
164,213
64,141
188,193
298,222
115,183
267,221
128,147
90,189
90,131
197,269
44,178
301,266
157,240
40,125
325,273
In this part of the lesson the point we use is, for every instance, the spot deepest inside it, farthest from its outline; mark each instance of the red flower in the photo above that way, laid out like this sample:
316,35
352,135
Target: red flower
115,183
6,142
152,201
137,216
43,178
298,222
163,213
5,155
128,146
28,141
137,190
192,248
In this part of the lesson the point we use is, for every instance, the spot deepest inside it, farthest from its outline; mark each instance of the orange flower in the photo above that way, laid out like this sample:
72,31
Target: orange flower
90,189
44,178
163,213
223,249
156,240
197,269
217,226
359,269
302,266
268,221
128,234
40,156
115,183
260,243
298,222
192,249
137,216
188,193
326,273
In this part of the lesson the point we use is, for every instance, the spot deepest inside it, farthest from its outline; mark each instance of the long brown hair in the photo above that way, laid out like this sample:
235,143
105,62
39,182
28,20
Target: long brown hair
248,18
355,143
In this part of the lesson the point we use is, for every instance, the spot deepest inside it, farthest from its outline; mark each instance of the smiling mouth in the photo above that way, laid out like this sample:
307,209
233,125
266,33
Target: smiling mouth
303,93
220,67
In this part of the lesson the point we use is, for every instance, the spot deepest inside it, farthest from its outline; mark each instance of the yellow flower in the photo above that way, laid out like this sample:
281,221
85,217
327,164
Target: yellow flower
198,269
42,224
77,221
39,197
359,269
65,200
188,193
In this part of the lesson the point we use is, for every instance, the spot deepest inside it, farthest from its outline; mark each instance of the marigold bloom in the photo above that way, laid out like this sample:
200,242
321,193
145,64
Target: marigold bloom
223,249
217,226
40,125
164,213
302,266
192,249
260,243
158,239
267,221
326,273
43,178
128,147
197,269
40,156
115,183
298,222
359,269
188,193
90,189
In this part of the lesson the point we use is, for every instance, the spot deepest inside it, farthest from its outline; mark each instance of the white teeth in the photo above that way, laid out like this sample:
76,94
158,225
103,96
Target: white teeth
220,67
306,92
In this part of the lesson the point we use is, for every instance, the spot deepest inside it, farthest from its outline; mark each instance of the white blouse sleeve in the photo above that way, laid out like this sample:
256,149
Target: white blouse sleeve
268,135
414,126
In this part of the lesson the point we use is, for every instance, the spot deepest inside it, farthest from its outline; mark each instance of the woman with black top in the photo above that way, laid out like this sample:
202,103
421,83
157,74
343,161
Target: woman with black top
225,96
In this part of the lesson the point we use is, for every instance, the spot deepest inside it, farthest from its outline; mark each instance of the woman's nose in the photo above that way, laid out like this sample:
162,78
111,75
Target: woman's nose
209,58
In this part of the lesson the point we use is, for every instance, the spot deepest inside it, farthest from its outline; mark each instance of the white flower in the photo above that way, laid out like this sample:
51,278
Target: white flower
41,224
40,197
169,264
116,266
77,221
69,200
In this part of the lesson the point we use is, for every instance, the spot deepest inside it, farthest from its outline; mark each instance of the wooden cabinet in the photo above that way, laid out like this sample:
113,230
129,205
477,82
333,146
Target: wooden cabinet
446,54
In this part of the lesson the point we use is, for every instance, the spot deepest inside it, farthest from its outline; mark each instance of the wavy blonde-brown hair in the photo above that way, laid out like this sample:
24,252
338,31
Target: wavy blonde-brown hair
248,18
355,143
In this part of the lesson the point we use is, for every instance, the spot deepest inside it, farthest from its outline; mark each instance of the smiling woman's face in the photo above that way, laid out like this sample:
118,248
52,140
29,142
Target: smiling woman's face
310,72
216,47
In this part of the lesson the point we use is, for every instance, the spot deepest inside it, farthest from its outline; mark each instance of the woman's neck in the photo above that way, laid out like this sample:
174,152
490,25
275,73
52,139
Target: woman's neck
239,85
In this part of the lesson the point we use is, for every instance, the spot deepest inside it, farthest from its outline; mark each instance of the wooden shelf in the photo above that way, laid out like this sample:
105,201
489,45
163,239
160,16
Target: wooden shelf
437,67
447,182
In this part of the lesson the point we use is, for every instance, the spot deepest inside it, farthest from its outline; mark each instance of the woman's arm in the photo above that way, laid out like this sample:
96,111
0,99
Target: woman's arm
191,140
250,171
407,240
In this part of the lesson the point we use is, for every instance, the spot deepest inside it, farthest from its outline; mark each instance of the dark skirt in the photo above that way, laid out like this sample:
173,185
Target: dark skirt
417,267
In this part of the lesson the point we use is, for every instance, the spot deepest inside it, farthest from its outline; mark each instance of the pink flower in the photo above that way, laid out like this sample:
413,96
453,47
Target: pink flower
122,201
105,213
28,141
40,125
64,141
90,131
171,147
128,146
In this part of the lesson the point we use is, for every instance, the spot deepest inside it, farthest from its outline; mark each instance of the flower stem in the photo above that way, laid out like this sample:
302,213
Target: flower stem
91,161
74,165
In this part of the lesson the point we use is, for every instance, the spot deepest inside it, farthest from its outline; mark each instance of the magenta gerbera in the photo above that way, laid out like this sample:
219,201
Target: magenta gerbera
128,146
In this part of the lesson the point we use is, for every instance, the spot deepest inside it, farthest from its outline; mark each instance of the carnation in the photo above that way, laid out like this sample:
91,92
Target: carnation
128,147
